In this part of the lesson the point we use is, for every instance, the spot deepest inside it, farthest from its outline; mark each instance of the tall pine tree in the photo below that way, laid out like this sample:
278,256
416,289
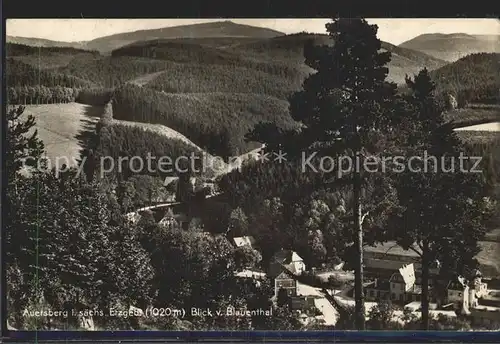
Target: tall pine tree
345,108
444,205
23,148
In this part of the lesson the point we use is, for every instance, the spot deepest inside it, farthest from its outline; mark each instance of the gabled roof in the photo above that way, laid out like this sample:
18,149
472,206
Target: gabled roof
307,290
458,283
291,267
168,180
396,278
287,257
390,248
296,257
380,284
244,241
385,264
283,276
170,217
250,274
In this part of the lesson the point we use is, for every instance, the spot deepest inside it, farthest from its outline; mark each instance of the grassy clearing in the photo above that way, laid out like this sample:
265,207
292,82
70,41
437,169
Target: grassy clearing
145,79
63,128
477,136
474,114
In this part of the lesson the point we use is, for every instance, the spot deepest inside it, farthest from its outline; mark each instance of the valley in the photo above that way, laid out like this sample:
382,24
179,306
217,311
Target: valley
223,100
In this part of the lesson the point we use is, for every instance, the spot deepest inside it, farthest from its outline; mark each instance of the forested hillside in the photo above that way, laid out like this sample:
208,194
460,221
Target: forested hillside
292,47
211,89
15,49
282,47
22,74
145,218
474,78
46,57
215,121
112,72
117,140
40,42
202,78
195,53
281,55
486,145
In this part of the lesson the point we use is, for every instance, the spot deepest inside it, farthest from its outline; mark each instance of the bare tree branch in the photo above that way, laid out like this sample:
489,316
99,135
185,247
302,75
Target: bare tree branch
414,250
363,217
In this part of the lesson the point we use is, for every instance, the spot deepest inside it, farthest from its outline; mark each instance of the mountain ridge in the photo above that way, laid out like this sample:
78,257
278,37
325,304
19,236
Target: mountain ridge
106,44
43,42
452,47
286,49
446,47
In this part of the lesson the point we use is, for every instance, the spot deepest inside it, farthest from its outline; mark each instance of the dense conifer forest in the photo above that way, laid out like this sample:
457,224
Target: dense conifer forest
293,94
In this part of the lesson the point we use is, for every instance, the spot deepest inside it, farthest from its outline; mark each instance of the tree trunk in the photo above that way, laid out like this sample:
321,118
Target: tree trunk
425,286
358,278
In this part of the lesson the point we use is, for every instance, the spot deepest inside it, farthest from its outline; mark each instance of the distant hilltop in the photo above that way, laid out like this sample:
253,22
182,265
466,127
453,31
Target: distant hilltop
204,30
451,47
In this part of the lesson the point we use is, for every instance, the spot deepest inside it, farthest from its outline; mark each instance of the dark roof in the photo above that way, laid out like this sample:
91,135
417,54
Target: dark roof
416,289
390,248
455,285
286,257
371,263
284,276
396,278
383,284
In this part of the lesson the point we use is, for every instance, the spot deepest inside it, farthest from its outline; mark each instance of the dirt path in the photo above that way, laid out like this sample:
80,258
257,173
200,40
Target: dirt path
144,79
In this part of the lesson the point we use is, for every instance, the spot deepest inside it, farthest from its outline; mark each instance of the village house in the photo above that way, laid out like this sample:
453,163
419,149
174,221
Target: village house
171,218
381,260
250,274
456,290
472,299
401,292
133,218
481,304
404,285
303,304
306,300
244,241
286,260
284,281
171,184
378,290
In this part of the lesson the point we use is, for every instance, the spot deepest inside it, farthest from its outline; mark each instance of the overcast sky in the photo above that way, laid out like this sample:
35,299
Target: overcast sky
395,31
